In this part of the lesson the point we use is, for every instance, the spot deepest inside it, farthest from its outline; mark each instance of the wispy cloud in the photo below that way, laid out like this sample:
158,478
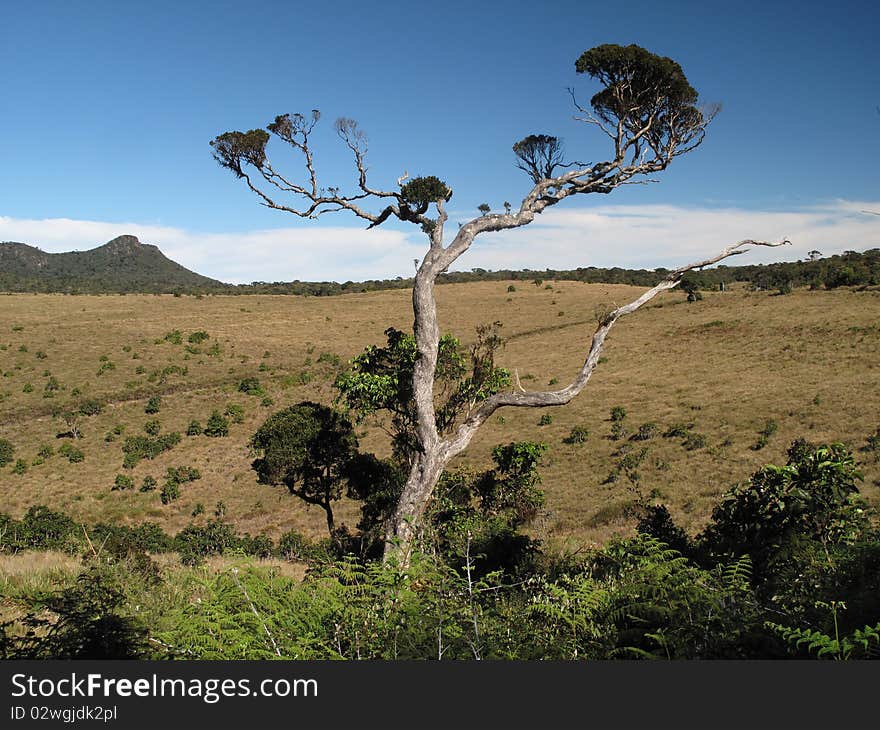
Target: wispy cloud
628,236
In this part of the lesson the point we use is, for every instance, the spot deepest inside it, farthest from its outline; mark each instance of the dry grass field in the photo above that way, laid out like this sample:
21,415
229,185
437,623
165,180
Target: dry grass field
808,361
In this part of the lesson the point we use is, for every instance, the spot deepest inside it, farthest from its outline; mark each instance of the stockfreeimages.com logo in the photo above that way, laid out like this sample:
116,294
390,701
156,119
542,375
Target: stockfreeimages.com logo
208,690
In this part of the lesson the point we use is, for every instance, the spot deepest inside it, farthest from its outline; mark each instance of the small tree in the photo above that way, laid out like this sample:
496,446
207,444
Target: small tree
650,114
306,448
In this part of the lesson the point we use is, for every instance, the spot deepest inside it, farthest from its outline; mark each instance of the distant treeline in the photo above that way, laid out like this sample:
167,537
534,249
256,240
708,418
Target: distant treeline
850,268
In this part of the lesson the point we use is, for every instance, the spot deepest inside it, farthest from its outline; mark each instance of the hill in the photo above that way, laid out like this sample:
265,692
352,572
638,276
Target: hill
119,266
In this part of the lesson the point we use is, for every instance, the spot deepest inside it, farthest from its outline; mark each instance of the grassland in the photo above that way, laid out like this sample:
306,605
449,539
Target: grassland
729,364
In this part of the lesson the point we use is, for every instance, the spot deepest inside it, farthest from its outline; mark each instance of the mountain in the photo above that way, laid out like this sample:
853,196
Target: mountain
121,265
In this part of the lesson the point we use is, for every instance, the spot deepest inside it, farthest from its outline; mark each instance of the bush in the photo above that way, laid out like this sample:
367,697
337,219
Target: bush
149,484
152,428
136,448
6,452
577,435
250,386
645,432
153,405
545,420
694,441
197,338
20,467
217,425
195,543
90,408
175,337
678,430
235,412
114,433
170,492
40,529
194,428
123,482
71,453
295,546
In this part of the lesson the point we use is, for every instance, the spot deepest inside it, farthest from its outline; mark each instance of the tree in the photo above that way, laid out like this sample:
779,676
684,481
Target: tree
307,448
646,108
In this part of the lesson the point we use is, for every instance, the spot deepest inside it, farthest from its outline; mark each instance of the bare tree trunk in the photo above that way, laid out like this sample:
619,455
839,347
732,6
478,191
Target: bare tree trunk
435,453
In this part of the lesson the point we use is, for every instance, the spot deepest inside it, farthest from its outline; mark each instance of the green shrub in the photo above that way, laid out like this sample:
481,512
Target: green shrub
71,453
149,484
645,432
294,546
136,448
197,338
694,441
154,404
6,452
152,428
28,388
545,420
175,337
577,435
250,386
170,492
123,482
45,451
194,428
20,467
235,412
678,430
114,433
90,407
217,425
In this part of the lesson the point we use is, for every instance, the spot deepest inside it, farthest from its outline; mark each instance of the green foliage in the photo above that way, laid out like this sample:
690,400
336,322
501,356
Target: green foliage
645,432
90,408
863,643
7,451
149,484
152,427
174,477
380,379
197,338
217,425
170,492
123,481
87,621
194,428
136,448
233,149
422,191
306,448
71,453
545,420
250,386
20,467
813,497
235,412
577,435
638,87
40,529
154,405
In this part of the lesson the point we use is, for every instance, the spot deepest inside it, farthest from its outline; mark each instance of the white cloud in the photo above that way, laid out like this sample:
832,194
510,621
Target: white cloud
611,235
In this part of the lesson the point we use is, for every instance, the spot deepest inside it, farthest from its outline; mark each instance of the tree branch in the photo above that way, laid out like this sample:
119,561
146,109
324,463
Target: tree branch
462,437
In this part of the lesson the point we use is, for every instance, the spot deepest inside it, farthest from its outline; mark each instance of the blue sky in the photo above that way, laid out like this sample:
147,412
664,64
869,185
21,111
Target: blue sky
108,108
